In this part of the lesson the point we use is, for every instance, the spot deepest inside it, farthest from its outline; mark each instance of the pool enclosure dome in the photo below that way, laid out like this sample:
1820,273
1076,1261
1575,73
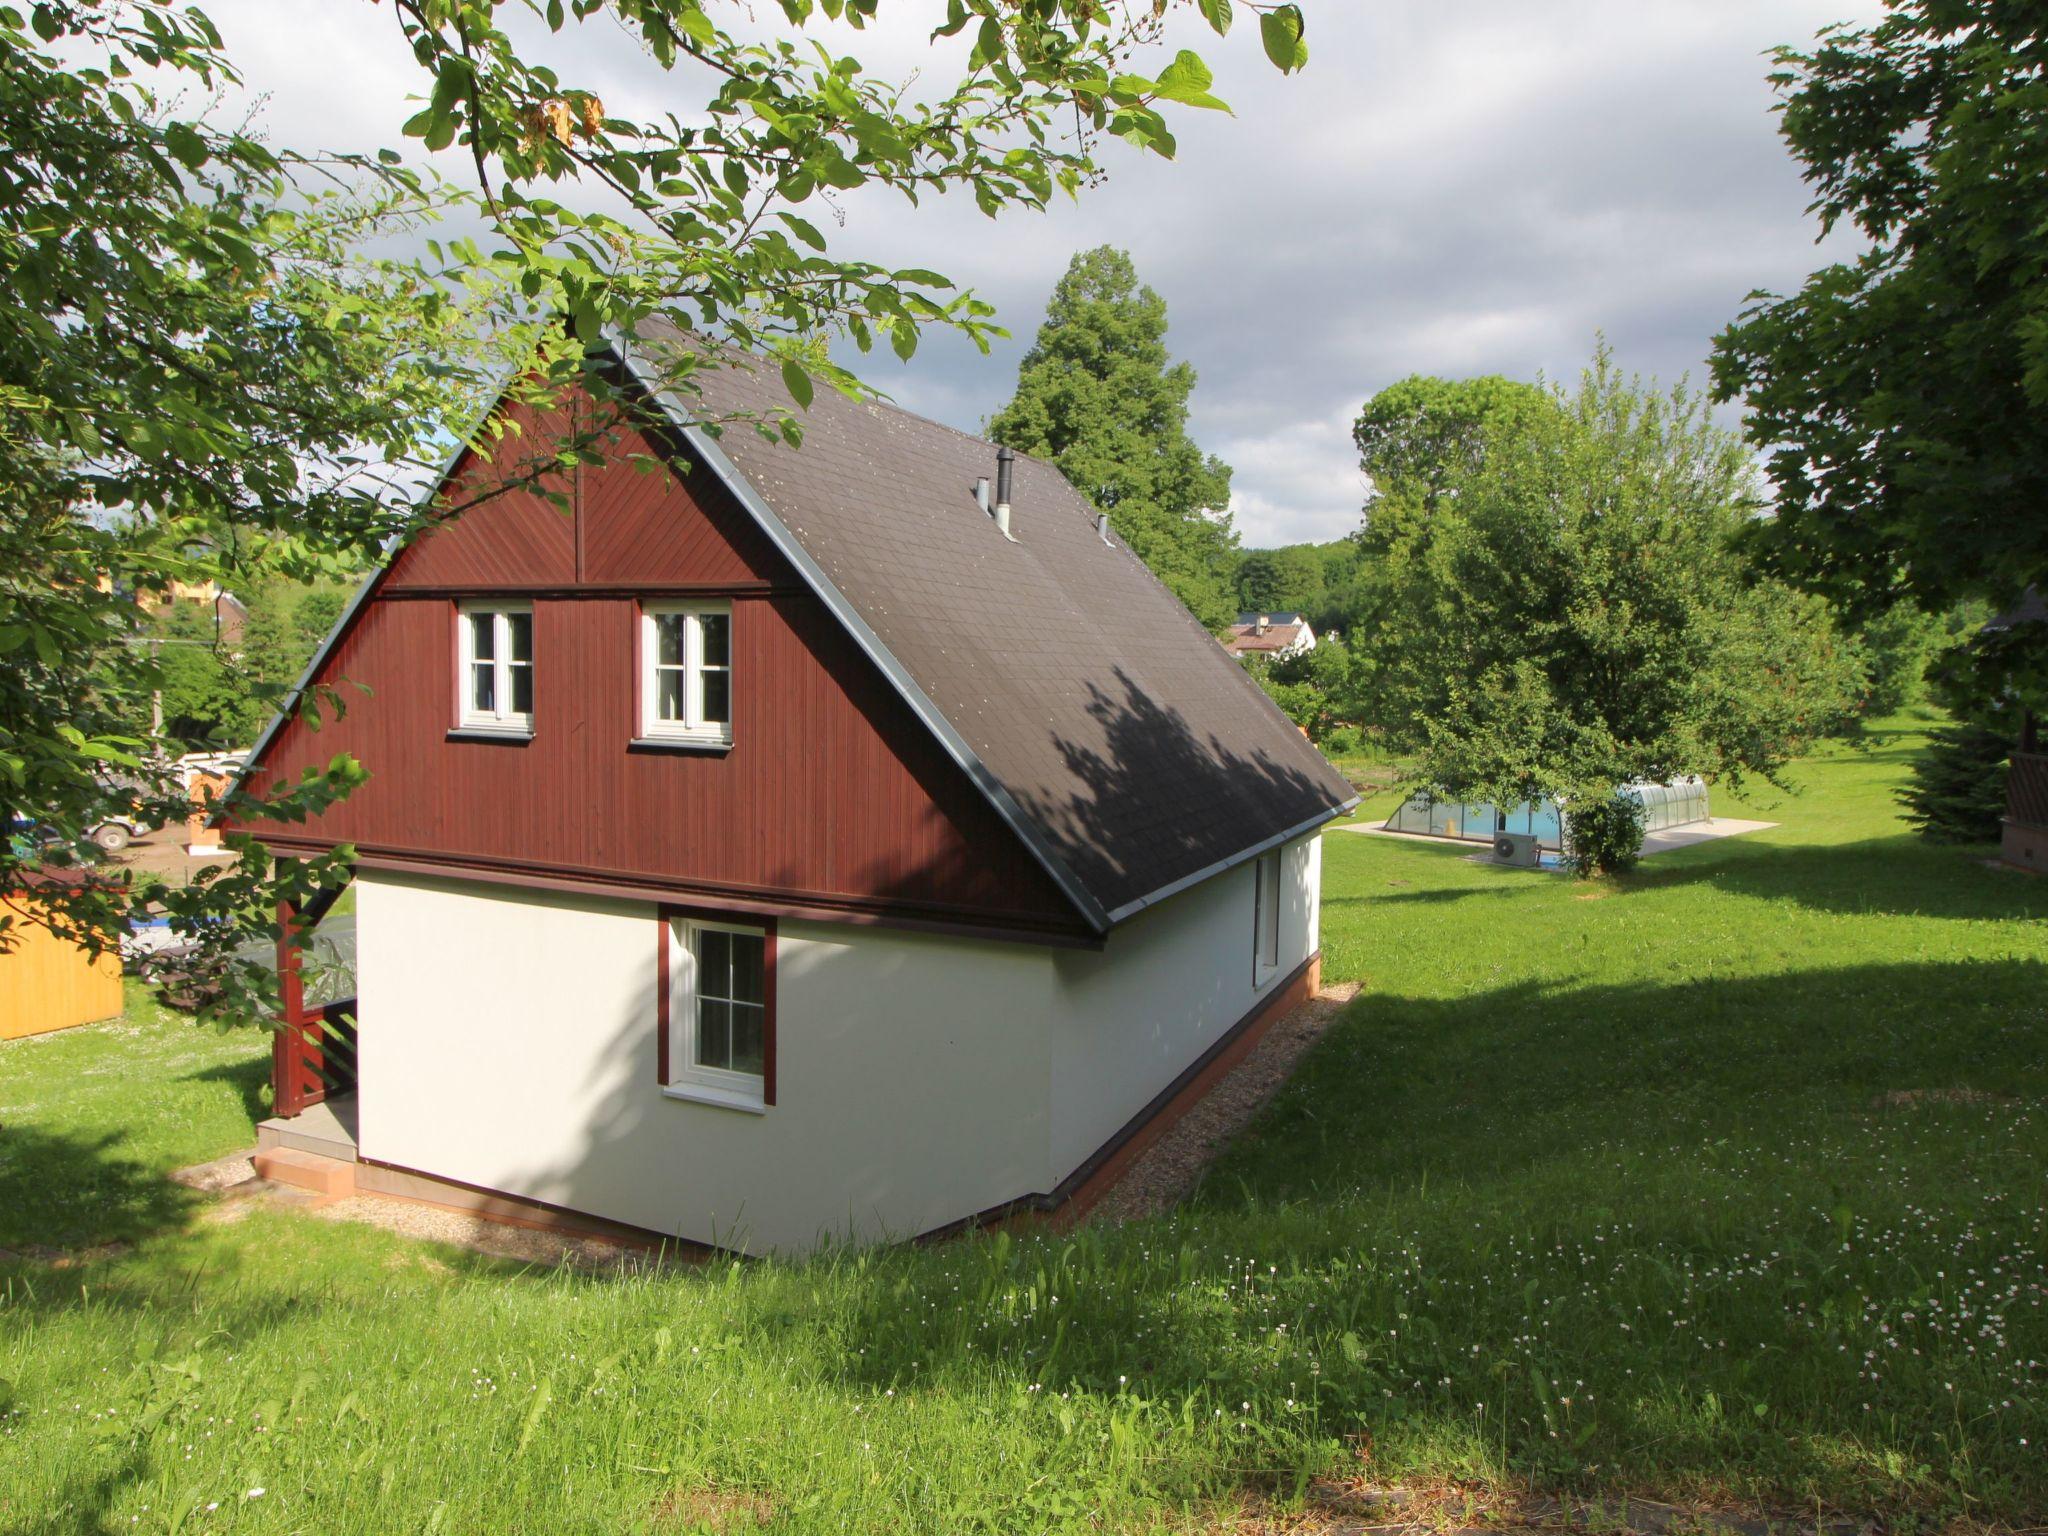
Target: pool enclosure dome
1682,802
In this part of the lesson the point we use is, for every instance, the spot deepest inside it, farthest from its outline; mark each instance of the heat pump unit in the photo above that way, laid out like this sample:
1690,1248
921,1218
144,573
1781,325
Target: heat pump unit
1518,848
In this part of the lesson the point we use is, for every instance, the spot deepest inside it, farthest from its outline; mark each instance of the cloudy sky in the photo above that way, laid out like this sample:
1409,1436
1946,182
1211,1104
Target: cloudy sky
1451,189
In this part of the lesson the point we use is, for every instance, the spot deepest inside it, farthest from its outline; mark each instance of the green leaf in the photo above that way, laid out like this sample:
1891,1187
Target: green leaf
797,382
1281,32
1218,14
698,28
804,230
183,140
1187,80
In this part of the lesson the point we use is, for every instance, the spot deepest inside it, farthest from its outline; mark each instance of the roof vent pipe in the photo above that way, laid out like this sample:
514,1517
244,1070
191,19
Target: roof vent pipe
1004,459
981,495
1102,526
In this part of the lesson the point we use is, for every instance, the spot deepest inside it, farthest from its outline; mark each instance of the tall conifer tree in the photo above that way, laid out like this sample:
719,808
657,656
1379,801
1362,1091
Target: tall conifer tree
1098,396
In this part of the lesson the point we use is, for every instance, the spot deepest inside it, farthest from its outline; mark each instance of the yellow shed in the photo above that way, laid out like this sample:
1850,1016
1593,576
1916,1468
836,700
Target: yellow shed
47,982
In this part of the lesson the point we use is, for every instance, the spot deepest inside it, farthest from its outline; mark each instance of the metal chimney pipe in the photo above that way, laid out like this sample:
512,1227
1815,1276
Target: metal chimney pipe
981,494
1102,526
1004,459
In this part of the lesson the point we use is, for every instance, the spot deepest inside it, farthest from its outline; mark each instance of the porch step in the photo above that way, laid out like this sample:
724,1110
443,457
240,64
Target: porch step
306,1170
328,1129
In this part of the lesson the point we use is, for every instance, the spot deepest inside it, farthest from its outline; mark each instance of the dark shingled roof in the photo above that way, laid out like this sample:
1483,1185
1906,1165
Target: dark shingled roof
1110,727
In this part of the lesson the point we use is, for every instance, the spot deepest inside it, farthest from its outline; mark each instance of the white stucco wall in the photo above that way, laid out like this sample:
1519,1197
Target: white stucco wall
1128,1020
508,1040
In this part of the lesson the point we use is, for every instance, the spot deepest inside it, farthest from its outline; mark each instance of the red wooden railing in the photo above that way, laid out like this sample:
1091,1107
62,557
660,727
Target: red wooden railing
314,1060
2026,789
313,1052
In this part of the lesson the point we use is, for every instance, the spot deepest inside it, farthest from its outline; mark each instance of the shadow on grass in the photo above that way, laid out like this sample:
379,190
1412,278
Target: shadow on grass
66,1190
1454,1185
1495,1081
248,1078
84,1505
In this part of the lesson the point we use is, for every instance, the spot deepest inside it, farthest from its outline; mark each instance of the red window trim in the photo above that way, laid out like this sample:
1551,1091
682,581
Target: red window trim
664,936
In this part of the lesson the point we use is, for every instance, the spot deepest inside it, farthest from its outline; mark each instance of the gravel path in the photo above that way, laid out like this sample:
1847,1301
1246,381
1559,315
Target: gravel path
480,1234
1164,1174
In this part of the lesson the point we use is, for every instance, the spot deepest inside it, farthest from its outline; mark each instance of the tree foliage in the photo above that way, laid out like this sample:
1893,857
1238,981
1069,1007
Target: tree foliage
1414,437
1314,580
1572,614
1099,397
1315,689
1901,395
203,375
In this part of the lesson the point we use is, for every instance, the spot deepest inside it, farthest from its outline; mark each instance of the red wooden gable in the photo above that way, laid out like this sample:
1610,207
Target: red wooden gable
833,798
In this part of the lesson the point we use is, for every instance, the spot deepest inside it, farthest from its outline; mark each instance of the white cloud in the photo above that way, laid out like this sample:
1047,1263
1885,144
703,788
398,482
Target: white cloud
1467,189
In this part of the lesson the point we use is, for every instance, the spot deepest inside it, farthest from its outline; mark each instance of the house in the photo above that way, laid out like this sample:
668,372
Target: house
1277,635
768,851
230,613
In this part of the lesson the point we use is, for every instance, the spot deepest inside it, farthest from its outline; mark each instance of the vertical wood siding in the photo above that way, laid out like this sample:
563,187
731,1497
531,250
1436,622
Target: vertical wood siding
831,789
47,982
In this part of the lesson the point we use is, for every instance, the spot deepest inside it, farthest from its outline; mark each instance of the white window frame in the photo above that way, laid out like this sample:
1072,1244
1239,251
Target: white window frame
1267,907
686,1079
693,727
503,718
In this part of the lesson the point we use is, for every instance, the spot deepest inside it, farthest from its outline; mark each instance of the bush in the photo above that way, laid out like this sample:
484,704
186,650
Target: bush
1343,741
1604,837
1957,790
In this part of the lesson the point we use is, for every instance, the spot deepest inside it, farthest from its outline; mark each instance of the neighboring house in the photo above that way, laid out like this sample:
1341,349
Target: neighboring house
774,852
2024,837
1278,635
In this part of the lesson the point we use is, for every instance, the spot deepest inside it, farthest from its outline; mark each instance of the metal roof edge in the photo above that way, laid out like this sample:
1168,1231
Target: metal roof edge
705,447
1208,871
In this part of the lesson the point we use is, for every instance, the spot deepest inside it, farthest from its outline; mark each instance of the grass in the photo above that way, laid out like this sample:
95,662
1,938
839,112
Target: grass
1722,1182
91,1119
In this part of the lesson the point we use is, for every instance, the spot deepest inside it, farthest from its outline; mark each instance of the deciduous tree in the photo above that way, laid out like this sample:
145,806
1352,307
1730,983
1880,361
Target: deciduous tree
1573,615
1901,395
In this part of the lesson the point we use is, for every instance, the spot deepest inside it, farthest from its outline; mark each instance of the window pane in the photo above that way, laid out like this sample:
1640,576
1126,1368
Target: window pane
749,1039
714,963
668,639
714,1033
483,688
519,629
717,628
483,636
717,698
522,688
748,951
668,694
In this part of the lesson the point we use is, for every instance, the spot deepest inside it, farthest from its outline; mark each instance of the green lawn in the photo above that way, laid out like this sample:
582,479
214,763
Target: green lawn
1725,1181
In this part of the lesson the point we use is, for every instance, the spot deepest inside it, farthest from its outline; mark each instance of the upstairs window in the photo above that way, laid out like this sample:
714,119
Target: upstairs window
686,673
1265,917
497,667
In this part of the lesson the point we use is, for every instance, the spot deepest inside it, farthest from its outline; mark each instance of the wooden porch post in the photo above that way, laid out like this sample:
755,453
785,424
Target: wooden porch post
288,1044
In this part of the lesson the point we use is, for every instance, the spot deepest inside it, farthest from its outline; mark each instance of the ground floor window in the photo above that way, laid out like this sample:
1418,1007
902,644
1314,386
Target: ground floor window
718,996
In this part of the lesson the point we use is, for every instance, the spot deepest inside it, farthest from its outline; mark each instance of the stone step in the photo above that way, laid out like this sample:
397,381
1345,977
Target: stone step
306,1170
